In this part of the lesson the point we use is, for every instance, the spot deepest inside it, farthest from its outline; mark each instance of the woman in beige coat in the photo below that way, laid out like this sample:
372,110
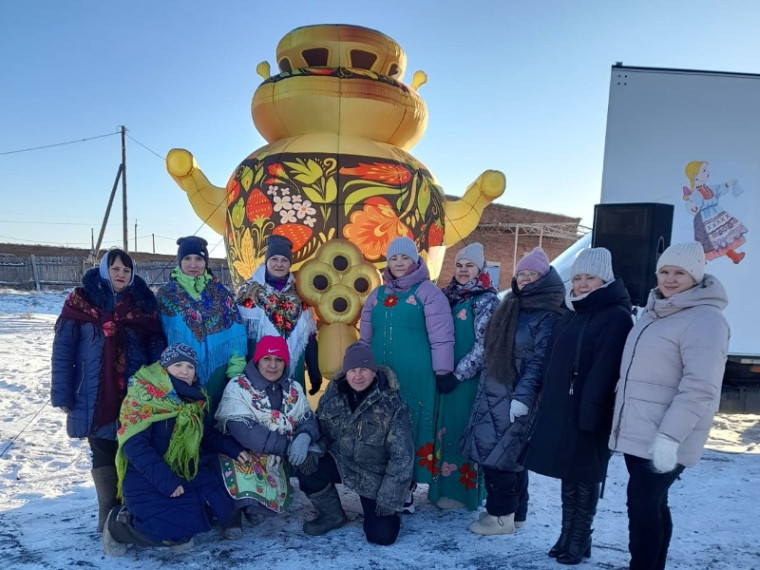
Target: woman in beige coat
668,393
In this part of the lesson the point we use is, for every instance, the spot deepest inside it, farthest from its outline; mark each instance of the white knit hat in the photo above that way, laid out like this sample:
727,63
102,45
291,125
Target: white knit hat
402,246
689,256
473,252
594,261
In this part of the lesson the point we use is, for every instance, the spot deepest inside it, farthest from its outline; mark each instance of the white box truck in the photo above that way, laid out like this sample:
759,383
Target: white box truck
692,139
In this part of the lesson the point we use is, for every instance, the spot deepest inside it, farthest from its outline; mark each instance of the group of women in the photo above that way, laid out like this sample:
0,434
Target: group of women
543,380
113,329
553,381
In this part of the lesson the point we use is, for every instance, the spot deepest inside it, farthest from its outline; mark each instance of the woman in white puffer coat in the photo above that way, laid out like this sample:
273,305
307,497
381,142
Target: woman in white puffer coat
668,392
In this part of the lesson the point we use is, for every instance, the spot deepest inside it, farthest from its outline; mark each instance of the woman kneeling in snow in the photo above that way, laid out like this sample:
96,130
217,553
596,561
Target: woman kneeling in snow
167,463
267,412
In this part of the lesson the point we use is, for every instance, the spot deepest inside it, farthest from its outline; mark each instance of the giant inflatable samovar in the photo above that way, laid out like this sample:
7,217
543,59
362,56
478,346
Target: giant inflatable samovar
338,122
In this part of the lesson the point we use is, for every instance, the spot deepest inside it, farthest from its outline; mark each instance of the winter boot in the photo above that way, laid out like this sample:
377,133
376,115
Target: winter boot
111,546
568,507
233,530
408,508
330,513
490,525
579,543
446,503
105,486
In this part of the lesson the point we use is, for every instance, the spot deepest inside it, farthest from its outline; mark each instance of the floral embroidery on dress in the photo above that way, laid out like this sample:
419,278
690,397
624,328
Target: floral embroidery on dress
468,476
427,459
411,299
390,301
462,315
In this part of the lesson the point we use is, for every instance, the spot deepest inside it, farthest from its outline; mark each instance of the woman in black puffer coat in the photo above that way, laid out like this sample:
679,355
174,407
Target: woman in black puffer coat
506,403
574,422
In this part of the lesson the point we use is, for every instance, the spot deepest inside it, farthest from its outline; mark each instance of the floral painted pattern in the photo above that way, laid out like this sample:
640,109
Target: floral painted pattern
313,198
374,227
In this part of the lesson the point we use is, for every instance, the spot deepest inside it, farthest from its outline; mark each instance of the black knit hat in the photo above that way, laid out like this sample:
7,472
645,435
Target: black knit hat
279,245
192,245
178,352
359,355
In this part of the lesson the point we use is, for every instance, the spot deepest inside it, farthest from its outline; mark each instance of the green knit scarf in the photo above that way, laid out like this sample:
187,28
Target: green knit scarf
194,286
151,398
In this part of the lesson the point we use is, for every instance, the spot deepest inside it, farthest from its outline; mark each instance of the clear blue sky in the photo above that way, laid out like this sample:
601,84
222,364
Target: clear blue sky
517,86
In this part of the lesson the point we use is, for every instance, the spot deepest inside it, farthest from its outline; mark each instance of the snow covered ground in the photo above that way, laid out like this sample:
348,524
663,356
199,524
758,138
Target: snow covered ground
48,505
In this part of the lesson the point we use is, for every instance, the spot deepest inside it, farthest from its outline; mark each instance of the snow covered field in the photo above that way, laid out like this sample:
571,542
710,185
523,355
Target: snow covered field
48,505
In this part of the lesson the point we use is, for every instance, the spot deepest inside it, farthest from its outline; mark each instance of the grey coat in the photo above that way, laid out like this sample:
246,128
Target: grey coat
372,446
671,373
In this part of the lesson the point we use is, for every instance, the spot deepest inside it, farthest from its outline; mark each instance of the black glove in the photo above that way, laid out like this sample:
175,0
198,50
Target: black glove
446,382
316,384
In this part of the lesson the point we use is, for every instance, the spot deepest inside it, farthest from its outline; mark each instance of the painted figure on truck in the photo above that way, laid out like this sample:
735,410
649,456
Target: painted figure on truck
719,232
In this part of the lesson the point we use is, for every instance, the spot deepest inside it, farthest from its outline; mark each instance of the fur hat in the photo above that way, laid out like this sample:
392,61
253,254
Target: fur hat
689,256
178,352
536,260
473,252
271,346
594,261
403,246
192,245
359,355
279,245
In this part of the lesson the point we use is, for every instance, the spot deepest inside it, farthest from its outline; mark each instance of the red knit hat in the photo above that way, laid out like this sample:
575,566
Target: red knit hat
271,345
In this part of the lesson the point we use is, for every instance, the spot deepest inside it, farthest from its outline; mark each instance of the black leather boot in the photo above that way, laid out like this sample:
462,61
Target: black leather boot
568,507
579,543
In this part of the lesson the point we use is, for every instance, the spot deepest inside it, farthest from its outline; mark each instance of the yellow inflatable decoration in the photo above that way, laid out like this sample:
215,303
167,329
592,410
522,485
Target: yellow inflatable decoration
339,123
336,283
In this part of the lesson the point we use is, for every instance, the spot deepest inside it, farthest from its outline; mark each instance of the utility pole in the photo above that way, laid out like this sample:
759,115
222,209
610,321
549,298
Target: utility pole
135,234
124,183
154,242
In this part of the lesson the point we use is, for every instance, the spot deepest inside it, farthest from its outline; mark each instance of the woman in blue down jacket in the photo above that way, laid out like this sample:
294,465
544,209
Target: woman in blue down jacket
507,399
108,329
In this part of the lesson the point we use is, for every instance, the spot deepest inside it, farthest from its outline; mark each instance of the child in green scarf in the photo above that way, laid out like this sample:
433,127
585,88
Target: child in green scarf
167,459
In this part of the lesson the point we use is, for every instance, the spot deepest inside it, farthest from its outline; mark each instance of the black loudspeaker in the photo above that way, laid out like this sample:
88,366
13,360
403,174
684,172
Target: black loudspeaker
636,235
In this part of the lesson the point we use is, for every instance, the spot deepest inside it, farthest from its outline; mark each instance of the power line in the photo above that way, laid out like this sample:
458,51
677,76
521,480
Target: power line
56,144
145,147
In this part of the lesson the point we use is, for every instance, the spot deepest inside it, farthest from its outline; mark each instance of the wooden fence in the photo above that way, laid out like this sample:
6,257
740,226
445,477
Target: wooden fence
36,272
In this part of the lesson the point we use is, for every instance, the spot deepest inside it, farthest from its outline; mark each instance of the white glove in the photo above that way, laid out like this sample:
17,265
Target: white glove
516,410
664,454
299,447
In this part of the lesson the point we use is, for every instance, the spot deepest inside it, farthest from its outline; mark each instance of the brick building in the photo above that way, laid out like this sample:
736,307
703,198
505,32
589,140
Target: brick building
507,233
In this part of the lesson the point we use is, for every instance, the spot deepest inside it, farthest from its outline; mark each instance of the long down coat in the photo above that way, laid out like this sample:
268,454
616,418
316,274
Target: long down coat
574,420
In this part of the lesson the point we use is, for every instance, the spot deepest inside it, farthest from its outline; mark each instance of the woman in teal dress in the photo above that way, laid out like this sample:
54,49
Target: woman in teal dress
459,482
407,322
